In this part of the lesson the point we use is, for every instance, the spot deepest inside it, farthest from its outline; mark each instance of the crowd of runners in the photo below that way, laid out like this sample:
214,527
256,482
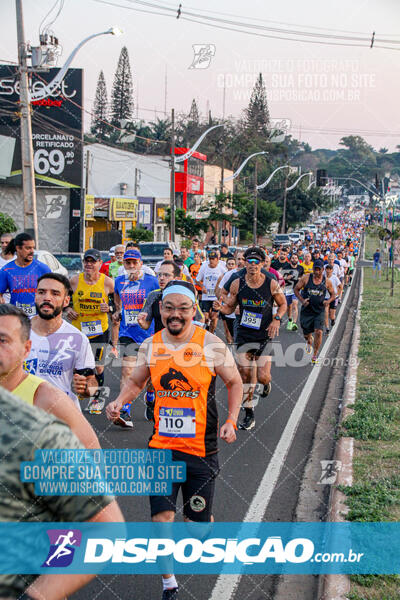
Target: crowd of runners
57,335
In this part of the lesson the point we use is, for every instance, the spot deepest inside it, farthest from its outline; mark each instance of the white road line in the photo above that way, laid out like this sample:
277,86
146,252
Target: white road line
226,585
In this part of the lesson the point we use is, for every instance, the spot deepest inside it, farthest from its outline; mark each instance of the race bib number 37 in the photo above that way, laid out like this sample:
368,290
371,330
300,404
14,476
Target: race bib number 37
250,319
131,317
177,422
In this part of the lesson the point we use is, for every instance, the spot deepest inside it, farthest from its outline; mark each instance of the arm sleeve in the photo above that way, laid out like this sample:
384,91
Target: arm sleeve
148,306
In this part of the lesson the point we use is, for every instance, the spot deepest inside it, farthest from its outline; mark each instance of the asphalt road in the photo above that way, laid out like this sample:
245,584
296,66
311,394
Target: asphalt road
242,466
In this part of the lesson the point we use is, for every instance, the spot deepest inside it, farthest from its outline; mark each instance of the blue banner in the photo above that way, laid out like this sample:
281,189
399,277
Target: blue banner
201,548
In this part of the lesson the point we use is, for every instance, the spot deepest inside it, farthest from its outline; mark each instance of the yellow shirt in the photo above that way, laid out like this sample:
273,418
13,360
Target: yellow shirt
86,302
307,268
26,390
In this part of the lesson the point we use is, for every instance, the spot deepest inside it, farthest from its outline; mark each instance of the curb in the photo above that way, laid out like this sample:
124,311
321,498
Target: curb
337,587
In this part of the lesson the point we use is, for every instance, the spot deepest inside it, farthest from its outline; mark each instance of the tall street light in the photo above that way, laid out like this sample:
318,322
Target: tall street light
236,174
179,159
27,165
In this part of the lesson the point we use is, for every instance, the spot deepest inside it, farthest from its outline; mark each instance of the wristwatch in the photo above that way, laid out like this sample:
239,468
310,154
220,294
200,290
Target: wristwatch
278,318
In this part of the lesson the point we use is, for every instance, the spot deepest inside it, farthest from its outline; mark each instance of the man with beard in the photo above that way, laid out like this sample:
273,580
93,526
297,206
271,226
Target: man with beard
60,354
15,346
19,277
183,361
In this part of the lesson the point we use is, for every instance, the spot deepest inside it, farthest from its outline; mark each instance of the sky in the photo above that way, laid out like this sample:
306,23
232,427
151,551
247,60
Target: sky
321,92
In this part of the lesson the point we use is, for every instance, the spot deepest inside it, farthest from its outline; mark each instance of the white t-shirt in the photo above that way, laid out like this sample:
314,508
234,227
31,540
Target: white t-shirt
221,284
343,266
145,269
335,281
335,270
209,278
54,357
3,261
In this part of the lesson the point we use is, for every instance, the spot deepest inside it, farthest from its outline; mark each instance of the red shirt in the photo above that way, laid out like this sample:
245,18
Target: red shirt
104,267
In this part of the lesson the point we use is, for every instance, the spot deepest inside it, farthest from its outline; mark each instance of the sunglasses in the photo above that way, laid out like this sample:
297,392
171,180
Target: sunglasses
253,261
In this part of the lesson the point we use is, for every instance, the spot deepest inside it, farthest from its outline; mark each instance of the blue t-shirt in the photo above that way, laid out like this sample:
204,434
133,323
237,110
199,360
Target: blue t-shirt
22,283
377,256
133,295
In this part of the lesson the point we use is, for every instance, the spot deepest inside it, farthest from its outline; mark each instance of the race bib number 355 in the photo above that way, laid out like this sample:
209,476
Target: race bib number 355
250,319
177,422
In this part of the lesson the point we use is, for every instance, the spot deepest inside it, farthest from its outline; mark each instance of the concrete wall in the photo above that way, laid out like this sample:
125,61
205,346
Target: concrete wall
53,208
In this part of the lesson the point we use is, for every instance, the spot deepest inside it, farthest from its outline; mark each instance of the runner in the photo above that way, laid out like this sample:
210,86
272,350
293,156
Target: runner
254,292
131,291
192,434
185,256
313,301
91,292
168,255
113,269
208,276
330,309
6,256
228,320
19,277
225,253
376,266
145,268
106,265
307,264
60,354
15,328
194,271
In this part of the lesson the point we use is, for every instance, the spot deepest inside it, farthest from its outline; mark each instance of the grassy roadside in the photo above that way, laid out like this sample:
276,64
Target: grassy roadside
375,425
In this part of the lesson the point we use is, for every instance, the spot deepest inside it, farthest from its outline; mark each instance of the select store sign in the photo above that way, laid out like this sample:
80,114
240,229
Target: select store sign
57,129
123,209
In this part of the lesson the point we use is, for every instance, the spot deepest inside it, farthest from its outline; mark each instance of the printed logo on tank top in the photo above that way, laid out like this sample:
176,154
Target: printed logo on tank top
176,385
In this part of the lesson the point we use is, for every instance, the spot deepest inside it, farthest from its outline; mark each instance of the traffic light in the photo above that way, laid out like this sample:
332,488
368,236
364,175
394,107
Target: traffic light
321,178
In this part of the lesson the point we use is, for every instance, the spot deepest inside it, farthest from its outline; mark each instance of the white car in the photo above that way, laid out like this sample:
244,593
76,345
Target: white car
48,259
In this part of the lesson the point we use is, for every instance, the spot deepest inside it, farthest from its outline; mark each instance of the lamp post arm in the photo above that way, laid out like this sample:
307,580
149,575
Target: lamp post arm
244,163
266,182
297,181
52,86
183,157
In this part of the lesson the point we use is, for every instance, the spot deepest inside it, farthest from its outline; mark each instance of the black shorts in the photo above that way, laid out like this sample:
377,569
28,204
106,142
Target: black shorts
197,490
206,305
254,348
333,304
127,346
99,345
229,323
311,321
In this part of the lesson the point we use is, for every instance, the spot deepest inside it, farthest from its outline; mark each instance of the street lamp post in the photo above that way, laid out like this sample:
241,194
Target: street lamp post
289,189
27,164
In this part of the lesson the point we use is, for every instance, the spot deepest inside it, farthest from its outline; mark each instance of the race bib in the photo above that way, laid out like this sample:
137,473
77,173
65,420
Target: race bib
29,309
131,317
210,291
91,328
250,319
177,422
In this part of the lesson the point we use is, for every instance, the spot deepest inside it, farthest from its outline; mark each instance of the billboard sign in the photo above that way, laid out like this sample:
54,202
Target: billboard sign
57,126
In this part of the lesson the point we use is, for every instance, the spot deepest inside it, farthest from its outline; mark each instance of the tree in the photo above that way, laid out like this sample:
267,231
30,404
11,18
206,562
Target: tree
7,224
122,91
185,224
257,113
100,108
140,234
267,213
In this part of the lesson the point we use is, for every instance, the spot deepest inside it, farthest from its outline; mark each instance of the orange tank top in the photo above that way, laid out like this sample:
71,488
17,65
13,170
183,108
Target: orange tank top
185,411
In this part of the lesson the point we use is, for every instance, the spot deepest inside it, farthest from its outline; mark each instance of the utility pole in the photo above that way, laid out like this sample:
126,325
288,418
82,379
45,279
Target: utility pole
392,250
172,188
28,173
221,191
283,228
255,206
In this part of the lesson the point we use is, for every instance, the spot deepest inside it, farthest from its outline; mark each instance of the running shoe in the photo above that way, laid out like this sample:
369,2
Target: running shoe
170,594
267,390
314,360
149,411
289,326
124,420
309,346
327,332
248,422
95,406
294,327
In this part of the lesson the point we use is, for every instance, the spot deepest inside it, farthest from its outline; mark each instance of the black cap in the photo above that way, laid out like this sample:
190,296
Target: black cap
319,263
255,252
92,253
213,254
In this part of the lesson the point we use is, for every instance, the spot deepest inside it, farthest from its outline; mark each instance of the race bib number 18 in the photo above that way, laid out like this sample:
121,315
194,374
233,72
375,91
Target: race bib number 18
177,422
91,328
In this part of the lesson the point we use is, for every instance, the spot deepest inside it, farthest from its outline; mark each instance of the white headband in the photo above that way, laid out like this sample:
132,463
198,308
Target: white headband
179,289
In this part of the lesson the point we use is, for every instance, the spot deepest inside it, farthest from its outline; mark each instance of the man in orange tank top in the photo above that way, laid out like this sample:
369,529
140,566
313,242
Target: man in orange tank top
183,361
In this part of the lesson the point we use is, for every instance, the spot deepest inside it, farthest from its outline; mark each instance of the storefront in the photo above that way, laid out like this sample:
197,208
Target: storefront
109,215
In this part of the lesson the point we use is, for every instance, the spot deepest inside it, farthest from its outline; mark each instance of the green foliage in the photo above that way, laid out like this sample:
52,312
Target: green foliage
122,90
186,244
267,213
140,234
185,224
99,126
7,224
372,500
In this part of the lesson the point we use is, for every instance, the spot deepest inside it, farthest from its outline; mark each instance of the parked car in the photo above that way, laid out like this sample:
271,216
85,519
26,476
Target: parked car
281,239
48,259
301,235
294,237
72,261
153,252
